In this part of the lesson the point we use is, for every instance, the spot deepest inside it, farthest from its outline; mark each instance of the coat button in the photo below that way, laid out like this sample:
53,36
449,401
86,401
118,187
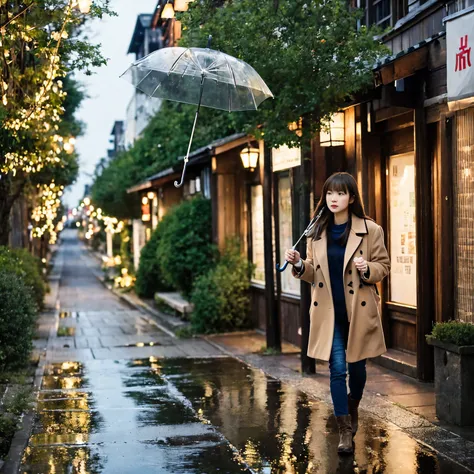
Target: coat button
321,285
361,285
363,303
350,272
312,284
318,267
361,252
315,303
351,292
350,284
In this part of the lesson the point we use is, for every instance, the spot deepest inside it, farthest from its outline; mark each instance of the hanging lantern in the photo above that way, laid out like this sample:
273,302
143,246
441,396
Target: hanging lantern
334,134
84,5
168,12
180,5
249,157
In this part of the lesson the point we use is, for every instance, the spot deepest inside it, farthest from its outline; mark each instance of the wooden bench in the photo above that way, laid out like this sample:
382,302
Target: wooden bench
176,302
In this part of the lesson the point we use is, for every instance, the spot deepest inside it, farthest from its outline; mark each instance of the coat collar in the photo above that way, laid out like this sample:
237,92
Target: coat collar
358,226
358,229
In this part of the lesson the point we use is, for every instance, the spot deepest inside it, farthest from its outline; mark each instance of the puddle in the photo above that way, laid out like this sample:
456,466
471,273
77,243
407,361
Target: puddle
200,416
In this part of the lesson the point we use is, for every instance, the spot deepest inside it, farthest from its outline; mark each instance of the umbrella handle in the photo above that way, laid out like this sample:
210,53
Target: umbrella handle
176,184
209,39
282,268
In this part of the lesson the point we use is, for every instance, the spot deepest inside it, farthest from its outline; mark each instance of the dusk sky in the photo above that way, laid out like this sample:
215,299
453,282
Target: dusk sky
108,94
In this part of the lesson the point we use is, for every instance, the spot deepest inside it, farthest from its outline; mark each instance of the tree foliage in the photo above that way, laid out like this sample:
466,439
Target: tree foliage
310,53
41,43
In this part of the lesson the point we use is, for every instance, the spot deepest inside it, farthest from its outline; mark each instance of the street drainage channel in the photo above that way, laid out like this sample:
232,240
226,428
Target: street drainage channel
199,416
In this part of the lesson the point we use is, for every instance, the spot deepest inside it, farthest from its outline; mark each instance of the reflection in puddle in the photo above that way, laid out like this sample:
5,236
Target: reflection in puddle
199,416
68,314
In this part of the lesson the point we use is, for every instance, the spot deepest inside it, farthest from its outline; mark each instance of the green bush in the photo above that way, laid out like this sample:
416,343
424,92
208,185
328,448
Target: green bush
221,298
185,251
149,276
17,320
453,332
26,266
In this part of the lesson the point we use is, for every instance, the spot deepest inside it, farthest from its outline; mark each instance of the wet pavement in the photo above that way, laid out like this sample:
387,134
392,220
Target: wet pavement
124,397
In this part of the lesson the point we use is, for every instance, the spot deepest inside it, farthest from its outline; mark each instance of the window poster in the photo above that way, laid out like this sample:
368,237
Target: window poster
289,284
402,229
258,255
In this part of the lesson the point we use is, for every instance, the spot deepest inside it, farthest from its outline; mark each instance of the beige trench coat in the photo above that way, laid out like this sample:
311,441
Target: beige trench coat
366,337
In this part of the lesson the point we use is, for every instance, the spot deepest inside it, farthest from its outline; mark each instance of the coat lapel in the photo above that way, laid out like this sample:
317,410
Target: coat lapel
321,252
358,229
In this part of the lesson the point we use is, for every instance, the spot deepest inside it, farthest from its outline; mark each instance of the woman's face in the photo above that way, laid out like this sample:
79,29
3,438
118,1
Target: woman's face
338,201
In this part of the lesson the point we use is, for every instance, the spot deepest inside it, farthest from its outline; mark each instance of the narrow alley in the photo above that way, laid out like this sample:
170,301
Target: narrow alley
119,395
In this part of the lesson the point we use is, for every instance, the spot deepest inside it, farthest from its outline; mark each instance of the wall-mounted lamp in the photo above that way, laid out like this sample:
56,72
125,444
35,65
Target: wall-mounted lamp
150,195
168,11
334,134
249,157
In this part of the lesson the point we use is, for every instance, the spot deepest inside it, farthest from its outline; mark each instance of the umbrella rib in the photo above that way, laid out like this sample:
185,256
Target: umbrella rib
253,98
177,59
141,80
235,83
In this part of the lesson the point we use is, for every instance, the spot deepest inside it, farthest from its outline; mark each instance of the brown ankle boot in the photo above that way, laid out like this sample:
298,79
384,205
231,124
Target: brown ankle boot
345,434
354,412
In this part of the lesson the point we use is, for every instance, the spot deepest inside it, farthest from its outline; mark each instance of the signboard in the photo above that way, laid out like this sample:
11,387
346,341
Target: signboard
460,60
258,254
284,158
289,284
402,229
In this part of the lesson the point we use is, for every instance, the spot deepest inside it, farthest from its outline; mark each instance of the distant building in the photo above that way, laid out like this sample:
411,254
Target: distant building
141,108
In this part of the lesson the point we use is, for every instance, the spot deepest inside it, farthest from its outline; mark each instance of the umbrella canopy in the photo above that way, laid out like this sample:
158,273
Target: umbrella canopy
199,76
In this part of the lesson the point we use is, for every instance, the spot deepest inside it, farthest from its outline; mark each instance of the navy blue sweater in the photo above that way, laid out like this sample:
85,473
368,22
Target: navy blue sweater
336,253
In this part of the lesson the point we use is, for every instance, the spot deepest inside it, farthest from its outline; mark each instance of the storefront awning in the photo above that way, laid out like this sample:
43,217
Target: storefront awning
197,157
406,62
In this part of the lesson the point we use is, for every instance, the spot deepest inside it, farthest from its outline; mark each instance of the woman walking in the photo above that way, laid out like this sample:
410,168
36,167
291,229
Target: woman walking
345,258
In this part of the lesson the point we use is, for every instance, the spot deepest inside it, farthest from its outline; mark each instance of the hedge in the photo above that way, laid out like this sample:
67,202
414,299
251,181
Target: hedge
185,251
149,275
17,320
221,297
21,263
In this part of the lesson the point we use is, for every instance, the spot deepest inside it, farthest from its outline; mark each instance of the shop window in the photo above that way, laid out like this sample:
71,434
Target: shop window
402,211
258,253
382,13
289,284
464,214
459,5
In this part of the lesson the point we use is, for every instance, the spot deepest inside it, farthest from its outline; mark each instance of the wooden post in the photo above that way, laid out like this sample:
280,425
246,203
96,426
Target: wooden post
424,244
308,364
273,323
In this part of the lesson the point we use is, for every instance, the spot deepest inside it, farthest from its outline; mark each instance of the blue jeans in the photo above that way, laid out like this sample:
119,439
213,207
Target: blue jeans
338,373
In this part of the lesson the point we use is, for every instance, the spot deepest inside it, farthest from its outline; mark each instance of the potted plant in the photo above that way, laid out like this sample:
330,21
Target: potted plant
453,343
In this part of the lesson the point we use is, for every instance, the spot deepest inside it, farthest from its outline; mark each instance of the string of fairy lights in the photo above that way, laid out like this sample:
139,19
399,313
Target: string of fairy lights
39,115
44,215
92,220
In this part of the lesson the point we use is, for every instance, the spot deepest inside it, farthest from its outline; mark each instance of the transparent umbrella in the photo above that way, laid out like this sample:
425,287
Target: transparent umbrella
199,76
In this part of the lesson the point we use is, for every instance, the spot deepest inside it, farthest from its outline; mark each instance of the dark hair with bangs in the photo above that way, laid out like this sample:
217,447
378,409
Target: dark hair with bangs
338,182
